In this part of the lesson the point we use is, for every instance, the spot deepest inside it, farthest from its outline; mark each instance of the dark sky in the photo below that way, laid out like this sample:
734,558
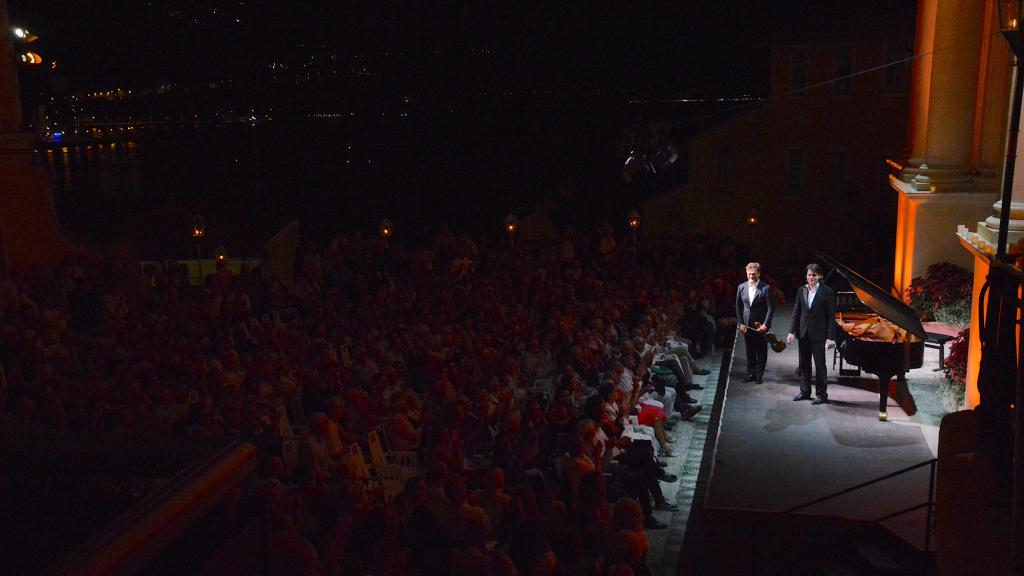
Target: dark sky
364,57
669,45
630,47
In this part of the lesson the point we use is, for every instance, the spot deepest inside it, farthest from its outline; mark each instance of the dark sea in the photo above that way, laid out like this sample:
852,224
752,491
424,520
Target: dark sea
466,169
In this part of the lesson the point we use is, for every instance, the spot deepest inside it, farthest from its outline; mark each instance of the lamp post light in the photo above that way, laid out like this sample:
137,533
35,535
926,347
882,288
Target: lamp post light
220,256
386,230
633,220
511,226
1011,13
24,35
198,232
634,224
752,224
1011,17
27,57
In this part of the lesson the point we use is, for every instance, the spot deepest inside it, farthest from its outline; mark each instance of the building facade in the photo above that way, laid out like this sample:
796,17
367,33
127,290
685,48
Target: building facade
803,170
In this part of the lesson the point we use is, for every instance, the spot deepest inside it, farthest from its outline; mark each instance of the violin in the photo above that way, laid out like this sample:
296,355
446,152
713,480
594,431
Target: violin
777,344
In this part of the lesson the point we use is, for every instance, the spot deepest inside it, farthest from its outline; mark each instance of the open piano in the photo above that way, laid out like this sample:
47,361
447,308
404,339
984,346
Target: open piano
880,334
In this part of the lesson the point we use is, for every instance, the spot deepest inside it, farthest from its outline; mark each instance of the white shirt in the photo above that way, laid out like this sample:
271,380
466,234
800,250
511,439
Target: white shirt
810,295
751,292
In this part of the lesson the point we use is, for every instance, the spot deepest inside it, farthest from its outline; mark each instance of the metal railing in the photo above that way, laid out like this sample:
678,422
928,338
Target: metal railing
929,505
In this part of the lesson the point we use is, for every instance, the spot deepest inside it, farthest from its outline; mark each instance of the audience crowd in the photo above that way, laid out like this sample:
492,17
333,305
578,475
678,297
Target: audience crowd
506,376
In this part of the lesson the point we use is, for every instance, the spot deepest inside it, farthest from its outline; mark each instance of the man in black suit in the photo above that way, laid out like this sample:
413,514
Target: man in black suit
815,324
755,308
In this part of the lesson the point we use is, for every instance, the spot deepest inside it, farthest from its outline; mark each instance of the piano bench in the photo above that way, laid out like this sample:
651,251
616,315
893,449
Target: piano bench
938,342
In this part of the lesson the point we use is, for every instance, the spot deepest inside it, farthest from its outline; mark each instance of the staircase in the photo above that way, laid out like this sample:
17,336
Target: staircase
739,542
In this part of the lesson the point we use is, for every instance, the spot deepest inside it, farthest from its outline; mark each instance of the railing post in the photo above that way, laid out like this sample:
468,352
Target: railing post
752,547
930,510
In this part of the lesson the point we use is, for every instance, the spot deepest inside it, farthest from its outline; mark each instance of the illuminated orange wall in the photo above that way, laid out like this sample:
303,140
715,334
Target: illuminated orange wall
906,219
922,78
972,398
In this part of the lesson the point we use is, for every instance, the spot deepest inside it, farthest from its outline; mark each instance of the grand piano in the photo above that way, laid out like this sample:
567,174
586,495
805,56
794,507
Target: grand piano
880,334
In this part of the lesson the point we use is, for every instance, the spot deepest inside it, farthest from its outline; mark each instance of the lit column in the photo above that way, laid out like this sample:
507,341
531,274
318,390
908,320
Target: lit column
987,239
988,230
993,106
939,187
921,81
945,92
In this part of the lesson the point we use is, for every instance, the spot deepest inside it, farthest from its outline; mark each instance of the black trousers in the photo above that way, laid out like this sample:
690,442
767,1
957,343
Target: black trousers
813,349
757,353
639,459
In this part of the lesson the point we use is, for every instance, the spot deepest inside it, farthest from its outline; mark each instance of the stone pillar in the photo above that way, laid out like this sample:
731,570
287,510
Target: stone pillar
953,93
994,100
988,230
938,186
921,80
945,102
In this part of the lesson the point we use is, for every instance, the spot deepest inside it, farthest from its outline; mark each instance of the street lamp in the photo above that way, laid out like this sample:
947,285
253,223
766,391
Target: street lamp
24,35
1011,13
28,58
386,230
752,223
511,225
634,224
198,232
1011,18
31,58
220,257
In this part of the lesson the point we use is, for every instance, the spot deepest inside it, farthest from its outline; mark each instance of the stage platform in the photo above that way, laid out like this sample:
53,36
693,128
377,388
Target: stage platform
763,453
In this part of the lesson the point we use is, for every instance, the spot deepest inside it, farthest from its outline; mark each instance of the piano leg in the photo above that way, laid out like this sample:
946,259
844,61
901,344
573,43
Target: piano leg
883,396
903,396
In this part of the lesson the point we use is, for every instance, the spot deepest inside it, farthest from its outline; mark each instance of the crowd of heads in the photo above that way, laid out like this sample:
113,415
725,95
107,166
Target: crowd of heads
476,357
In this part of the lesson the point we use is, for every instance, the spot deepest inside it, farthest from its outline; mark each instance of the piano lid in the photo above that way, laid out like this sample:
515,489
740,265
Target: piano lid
879,300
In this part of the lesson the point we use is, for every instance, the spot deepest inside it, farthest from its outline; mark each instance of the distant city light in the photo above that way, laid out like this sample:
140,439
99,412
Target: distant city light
23,34
31,58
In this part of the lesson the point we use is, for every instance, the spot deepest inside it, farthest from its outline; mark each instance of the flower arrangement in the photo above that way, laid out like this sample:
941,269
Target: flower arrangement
943,294
942,285
956,361
956,314
956,372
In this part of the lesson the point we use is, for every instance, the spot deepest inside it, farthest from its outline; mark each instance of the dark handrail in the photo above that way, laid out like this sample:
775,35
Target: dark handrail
929,505
868,483
899,512
931,508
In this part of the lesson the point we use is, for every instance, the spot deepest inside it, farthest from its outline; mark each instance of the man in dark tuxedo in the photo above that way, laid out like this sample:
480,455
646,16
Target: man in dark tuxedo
755,308
814,324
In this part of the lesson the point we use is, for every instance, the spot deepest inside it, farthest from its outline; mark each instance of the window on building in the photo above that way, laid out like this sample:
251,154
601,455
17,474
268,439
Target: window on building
838,182
723,169
795,173
897,72
798,79
844,67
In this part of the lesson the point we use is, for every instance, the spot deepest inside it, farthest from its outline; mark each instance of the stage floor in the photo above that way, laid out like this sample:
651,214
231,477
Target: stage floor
773,453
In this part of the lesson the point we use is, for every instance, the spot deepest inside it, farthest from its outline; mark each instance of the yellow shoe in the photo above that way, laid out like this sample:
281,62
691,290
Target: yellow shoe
883,416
